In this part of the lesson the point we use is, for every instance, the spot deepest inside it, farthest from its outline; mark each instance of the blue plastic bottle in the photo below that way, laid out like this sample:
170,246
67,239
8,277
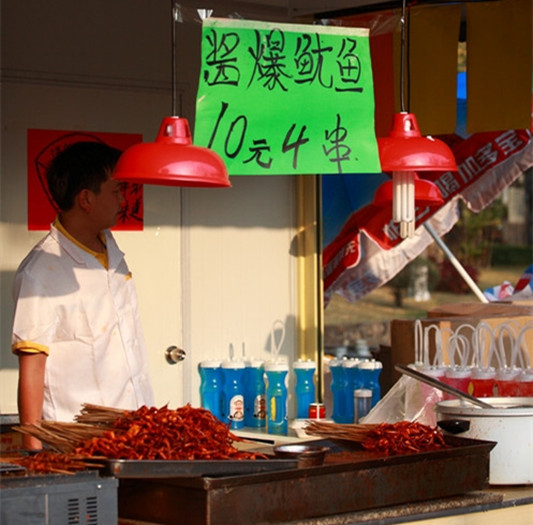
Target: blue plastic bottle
305,386
211,387
254,394
233,388
369,373
276,397
338,391
353,382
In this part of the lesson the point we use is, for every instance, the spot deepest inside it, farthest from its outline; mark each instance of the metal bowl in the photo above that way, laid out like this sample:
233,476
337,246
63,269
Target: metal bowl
307,455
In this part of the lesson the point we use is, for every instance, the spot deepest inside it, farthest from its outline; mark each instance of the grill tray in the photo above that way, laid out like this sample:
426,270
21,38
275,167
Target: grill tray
360,480
124,468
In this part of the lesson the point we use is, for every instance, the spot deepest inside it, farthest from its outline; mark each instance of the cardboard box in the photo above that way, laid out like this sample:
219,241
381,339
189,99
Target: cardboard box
495,309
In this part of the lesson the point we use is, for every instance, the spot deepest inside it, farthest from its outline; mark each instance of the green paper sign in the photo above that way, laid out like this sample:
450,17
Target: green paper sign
281,99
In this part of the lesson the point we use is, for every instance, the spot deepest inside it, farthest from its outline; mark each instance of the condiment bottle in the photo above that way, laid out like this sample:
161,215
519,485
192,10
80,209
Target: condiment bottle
507,382
305,386
338,391
211,387
369,372
276,375
254,394
233,398
459,377
483,381
525,383
353,382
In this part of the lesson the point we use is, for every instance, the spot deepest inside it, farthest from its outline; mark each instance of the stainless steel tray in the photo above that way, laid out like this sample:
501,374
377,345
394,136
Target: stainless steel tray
355,480
143,469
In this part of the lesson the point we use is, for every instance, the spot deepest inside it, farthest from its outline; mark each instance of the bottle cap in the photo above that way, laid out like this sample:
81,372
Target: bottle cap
484,373
304,365
370,365
350,363
232,364
210,363
273,366
526,375
507,374
458,372
337,361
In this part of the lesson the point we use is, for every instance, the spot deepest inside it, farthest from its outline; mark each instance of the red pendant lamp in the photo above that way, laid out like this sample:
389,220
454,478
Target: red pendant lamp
426,193
172,160
404,152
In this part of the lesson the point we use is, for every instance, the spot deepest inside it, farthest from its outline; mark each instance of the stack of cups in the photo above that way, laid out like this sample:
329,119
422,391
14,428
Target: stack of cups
211,394
233,393
276,375
305,386
254,394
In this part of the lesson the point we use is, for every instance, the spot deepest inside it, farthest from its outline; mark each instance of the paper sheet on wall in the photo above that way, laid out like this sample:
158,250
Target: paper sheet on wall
277,99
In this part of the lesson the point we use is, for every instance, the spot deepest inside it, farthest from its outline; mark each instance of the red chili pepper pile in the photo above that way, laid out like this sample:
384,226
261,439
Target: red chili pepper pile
403,437
161,433
49,461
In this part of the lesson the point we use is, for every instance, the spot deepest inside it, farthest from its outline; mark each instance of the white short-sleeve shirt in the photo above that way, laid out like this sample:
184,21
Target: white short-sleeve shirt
87,318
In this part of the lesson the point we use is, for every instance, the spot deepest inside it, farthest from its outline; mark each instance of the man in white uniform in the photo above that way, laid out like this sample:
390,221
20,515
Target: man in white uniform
76,329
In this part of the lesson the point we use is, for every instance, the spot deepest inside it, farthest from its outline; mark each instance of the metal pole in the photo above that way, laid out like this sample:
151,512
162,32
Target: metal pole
458,266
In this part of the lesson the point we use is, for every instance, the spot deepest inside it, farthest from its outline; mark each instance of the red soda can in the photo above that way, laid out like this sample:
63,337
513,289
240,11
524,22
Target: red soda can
317,411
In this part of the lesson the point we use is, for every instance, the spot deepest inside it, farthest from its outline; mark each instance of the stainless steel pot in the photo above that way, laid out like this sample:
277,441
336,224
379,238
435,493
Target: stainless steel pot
509,424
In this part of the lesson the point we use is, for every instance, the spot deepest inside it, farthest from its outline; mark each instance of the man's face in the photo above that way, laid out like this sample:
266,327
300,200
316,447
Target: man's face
108,203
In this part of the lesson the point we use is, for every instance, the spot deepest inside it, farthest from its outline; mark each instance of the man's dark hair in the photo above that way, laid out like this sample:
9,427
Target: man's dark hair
80,166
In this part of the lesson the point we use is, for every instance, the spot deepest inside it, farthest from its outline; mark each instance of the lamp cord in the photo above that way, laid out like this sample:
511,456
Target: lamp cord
175,13
404,58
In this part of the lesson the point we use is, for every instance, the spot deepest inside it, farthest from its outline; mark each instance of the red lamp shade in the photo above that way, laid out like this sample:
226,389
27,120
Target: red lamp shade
404,149
172,160
403,153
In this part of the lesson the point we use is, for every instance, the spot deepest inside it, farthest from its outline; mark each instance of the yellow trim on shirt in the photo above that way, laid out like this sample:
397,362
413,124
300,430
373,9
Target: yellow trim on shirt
29,347
101,257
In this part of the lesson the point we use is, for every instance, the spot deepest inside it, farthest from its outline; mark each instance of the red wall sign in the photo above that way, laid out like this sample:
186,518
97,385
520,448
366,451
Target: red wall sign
43,145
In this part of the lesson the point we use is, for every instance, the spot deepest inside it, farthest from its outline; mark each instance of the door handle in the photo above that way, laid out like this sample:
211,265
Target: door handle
174,355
